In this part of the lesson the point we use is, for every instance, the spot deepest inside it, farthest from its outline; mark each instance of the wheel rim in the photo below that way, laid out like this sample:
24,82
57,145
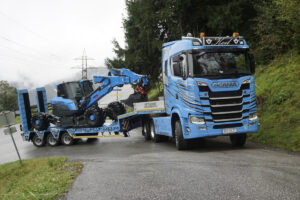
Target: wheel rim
67,139
51,140
152,131
38,141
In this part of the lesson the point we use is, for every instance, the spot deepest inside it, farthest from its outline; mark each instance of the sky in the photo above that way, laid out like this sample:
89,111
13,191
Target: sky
40,39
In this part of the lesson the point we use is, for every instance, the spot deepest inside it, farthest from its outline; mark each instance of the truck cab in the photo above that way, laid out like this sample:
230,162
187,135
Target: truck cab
209,89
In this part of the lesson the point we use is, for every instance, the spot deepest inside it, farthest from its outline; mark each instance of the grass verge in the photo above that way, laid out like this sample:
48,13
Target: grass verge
278,97
45,178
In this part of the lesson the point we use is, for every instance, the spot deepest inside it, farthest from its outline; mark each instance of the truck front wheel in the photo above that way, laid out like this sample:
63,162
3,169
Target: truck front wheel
238,140
181,143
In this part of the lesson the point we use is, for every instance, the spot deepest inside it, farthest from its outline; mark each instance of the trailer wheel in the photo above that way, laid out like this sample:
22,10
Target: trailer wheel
238,140
38,142
181,143
94,116
39,121
51,141
66,139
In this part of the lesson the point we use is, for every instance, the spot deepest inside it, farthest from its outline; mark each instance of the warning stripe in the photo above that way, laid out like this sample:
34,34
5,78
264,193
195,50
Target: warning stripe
126,124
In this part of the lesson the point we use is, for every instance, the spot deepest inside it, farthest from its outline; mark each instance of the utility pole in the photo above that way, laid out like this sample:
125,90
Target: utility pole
84,66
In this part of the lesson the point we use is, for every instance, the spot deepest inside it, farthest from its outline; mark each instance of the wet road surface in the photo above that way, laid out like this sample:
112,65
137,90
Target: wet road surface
130,168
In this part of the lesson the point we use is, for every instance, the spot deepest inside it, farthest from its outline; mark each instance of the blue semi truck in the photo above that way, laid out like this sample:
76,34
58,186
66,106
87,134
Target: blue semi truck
209,91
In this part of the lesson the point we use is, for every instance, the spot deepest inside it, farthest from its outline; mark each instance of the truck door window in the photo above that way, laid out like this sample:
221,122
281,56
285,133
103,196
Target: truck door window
179,65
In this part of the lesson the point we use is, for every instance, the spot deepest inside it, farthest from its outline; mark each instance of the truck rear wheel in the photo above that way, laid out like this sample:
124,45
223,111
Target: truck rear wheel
146,130
155,137
66,139
51,141
238,140
181,143
38,142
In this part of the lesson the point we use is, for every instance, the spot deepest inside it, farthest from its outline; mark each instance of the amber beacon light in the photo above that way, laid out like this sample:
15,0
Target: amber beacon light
235,34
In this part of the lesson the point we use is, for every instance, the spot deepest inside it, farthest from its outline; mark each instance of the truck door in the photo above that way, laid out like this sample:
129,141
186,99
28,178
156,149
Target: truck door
179,71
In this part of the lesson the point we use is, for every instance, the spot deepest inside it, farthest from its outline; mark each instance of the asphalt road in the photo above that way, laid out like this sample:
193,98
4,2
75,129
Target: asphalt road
130,168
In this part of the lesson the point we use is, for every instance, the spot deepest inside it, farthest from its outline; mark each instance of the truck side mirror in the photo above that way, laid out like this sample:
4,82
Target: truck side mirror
177,69
177,58
252,63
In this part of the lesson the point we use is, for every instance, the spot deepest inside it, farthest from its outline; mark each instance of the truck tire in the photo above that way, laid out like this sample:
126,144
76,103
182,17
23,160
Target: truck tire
146,129
181,143
117,107
238,140
66,139
39,122
51,141
94,116
37,141
155,137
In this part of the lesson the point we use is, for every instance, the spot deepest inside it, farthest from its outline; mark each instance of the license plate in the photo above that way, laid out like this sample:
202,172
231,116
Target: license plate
229,130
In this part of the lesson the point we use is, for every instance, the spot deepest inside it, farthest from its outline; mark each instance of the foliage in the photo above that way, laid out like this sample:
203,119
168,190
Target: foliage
151,23
278,102
45,178
8,97
277,29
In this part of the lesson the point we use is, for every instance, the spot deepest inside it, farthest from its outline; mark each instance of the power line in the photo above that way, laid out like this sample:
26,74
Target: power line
84,66
26,28
27,55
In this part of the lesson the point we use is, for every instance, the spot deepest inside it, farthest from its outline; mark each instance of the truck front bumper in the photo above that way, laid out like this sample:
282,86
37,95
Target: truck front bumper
211,129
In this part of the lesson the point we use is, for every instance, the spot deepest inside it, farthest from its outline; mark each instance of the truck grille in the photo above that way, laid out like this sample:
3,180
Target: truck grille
226,106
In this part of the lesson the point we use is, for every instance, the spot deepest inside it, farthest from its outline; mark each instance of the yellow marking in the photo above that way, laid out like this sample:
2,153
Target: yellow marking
148,109
135,112
117,95
125,115
97,136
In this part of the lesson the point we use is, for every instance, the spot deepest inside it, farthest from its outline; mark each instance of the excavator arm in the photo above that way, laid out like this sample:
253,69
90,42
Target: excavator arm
107,83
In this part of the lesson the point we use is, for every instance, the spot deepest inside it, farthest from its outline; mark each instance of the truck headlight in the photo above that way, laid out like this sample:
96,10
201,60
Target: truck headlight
246,81
197,120
252,116
201,83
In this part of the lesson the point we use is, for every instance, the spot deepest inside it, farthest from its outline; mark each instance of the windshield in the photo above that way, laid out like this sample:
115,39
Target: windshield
74,90
220,63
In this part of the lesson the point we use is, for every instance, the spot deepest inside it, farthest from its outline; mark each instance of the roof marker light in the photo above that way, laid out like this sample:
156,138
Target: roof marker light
235,34
202,34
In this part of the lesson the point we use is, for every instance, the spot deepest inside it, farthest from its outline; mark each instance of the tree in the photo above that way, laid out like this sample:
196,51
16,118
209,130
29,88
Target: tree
150,23
8,97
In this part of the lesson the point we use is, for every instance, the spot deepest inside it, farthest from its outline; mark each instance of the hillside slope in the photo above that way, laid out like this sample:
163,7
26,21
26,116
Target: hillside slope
278,96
